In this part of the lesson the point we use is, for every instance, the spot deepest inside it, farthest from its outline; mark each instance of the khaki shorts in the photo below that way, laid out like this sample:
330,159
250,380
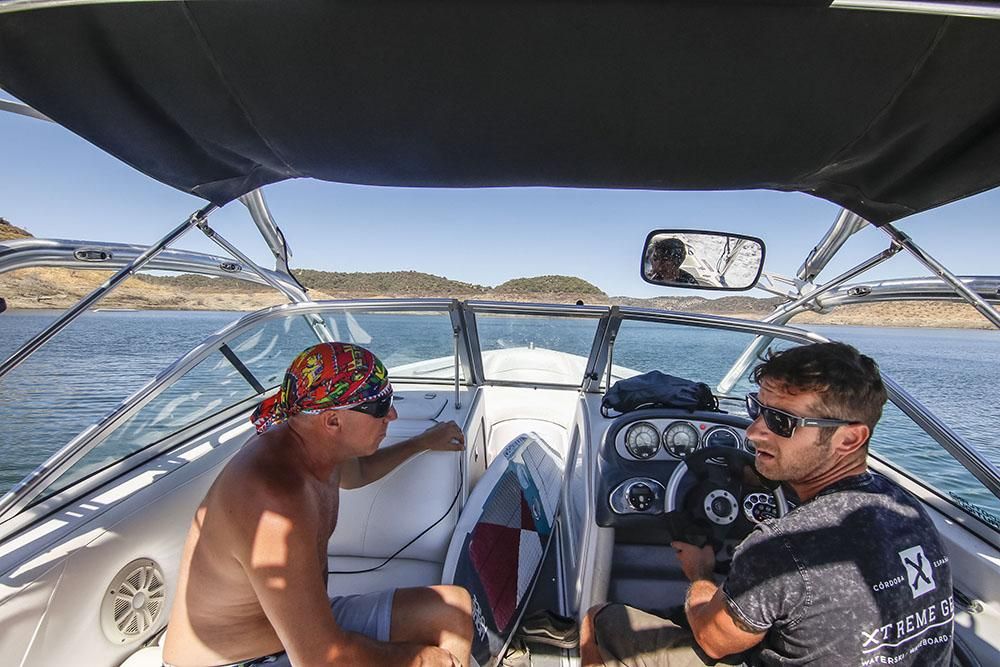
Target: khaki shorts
629,637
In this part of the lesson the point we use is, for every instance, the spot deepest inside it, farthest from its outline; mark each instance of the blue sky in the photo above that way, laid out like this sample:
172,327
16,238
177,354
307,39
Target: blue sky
58,186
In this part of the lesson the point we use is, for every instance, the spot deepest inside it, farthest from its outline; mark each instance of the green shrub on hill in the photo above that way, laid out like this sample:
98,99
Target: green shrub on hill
395,282
548,285
385,282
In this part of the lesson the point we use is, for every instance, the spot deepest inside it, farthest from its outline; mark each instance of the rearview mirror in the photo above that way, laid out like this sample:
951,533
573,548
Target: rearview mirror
702,260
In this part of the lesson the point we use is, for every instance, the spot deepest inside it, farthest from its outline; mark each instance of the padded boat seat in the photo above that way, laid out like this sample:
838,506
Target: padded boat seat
373,522
397,573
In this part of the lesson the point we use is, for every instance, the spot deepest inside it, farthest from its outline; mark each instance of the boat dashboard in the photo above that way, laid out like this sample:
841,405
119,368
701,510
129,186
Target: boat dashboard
656,466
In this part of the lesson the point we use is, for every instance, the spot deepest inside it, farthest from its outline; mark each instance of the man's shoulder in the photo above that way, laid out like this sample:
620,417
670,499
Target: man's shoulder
258,479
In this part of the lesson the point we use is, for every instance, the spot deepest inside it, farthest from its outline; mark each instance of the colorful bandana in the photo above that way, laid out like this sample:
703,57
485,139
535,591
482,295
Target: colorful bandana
328,376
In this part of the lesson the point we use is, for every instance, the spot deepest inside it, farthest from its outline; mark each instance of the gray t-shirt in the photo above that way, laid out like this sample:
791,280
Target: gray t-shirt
855,576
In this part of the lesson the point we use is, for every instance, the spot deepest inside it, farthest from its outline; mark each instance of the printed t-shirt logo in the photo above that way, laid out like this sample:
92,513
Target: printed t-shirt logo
919,574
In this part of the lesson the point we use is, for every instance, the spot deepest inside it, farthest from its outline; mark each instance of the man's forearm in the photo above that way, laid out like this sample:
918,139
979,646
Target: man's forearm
381,463
698,596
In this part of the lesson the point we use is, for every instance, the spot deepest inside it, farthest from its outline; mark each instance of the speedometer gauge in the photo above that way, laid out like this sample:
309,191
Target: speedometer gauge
720,436
680,439
642,440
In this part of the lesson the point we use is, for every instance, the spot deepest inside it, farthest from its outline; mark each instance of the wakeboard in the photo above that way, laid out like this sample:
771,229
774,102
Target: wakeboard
501,539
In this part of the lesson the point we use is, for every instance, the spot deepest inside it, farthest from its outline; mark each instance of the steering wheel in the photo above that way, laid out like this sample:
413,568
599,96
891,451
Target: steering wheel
728,499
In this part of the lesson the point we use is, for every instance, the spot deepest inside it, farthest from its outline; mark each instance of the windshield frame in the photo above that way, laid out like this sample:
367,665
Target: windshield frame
468,354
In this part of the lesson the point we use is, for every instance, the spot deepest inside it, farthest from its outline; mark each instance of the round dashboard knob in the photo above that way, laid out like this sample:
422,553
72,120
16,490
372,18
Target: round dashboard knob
722,507
640,497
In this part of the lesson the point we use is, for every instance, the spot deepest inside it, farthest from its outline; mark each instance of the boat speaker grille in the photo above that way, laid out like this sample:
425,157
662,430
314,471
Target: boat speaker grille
134,602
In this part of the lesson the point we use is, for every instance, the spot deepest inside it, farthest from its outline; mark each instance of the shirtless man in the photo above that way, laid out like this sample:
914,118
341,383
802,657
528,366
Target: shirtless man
252,586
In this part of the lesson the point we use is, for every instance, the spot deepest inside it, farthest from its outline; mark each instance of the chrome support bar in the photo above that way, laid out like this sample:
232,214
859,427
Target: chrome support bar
23,110
458,375
79,255
783,313
844,227
977,302
857,270
261,215
294,293
611,357
607,329
981,10
26,350
910,289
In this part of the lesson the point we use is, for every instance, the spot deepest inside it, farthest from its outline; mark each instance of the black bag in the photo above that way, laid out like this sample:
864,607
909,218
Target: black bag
658,390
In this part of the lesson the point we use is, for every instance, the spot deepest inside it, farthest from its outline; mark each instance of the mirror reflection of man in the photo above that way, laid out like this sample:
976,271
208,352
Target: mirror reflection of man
252,585
665,260
855,575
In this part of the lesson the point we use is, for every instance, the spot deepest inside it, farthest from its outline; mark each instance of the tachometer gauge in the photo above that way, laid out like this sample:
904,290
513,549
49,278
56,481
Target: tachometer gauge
680,439
720,436
642,440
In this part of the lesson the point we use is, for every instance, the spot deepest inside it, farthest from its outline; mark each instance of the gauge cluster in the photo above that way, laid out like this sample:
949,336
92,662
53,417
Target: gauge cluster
639,453
675,439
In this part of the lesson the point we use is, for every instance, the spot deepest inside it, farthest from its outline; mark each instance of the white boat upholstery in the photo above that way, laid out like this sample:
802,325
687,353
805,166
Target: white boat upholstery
376,520
397,573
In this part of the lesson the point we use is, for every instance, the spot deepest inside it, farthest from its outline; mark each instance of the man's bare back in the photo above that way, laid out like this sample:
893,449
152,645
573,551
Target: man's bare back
214,585
253,573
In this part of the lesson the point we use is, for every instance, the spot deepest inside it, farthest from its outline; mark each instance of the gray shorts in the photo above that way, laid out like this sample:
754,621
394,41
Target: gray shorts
369,615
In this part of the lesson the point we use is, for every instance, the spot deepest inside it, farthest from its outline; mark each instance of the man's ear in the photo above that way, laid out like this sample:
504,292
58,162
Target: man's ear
332,419
850,438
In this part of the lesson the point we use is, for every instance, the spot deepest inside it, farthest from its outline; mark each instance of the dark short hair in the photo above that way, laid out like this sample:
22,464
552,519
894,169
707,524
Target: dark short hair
671,246
849,383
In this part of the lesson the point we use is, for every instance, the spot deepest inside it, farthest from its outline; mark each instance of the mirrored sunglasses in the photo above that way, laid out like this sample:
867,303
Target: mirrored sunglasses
377,408
782,423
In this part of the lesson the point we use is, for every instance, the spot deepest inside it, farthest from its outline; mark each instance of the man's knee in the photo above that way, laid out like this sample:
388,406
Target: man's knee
459,608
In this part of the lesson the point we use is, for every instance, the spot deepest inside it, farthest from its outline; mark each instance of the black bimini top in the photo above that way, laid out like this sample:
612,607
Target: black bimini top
886,114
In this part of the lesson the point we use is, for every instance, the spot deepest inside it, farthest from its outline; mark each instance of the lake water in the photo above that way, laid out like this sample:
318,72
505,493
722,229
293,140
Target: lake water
103,357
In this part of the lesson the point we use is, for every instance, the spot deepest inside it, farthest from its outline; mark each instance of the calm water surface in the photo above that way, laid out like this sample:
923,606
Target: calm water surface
103,357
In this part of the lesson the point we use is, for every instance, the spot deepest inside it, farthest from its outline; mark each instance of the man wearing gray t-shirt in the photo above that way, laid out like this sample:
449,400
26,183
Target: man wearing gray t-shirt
855,575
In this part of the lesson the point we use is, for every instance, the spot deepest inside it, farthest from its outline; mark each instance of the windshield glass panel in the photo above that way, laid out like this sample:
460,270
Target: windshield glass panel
693,353
417,345
83,374
536,348
204,391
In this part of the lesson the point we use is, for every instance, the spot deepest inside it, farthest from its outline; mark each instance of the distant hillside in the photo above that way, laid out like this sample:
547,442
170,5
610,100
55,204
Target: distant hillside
408,283
9,231
548,285
727,305
191,282
44,287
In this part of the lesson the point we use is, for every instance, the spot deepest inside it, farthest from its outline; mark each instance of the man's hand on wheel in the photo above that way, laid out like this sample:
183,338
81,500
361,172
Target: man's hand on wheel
697,563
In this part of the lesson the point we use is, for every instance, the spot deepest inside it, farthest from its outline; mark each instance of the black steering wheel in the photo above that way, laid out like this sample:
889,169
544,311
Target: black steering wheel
727,499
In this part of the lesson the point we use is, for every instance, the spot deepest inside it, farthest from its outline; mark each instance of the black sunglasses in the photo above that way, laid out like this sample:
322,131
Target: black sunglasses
782,423
377,408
